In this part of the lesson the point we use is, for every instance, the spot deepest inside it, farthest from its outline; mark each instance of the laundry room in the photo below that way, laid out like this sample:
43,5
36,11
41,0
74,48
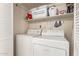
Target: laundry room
43,29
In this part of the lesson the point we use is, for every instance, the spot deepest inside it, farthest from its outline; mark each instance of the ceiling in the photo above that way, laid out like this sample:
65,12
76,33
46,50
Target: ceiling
31,5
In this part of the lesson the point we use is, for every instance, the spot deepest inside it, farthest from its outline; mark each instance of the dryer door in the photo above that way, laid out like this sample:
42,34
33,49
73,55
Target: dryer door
43,50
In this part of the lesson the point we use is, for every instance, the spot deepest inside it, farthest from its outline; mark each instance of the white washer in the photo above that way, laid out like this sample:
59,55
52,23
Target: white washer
24,42
50,45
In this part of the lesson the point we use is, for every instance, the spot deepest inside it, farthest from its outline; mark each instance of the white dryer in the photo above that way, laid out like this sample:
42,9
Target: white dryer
51,43
24,42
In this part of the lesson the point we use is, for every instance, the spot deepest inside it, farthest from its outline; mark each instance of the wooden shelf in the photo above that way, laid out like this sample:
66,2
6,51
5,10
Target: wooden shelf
53,17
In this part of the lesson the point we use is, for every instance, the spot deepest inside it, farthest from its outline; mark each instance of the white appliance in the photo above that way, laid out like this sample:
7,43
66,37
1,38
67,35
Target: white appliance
46,45
24,42
51,44
6,33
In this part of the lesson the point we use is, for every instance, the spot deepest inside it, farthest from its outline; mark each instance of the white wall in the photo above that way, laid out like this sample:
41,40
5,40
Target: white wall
20,25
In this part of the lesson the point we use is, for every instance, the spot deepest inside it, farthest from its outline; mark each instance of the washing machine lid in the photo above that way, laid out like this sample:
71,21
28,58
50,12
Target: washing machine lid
59,33
54,38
